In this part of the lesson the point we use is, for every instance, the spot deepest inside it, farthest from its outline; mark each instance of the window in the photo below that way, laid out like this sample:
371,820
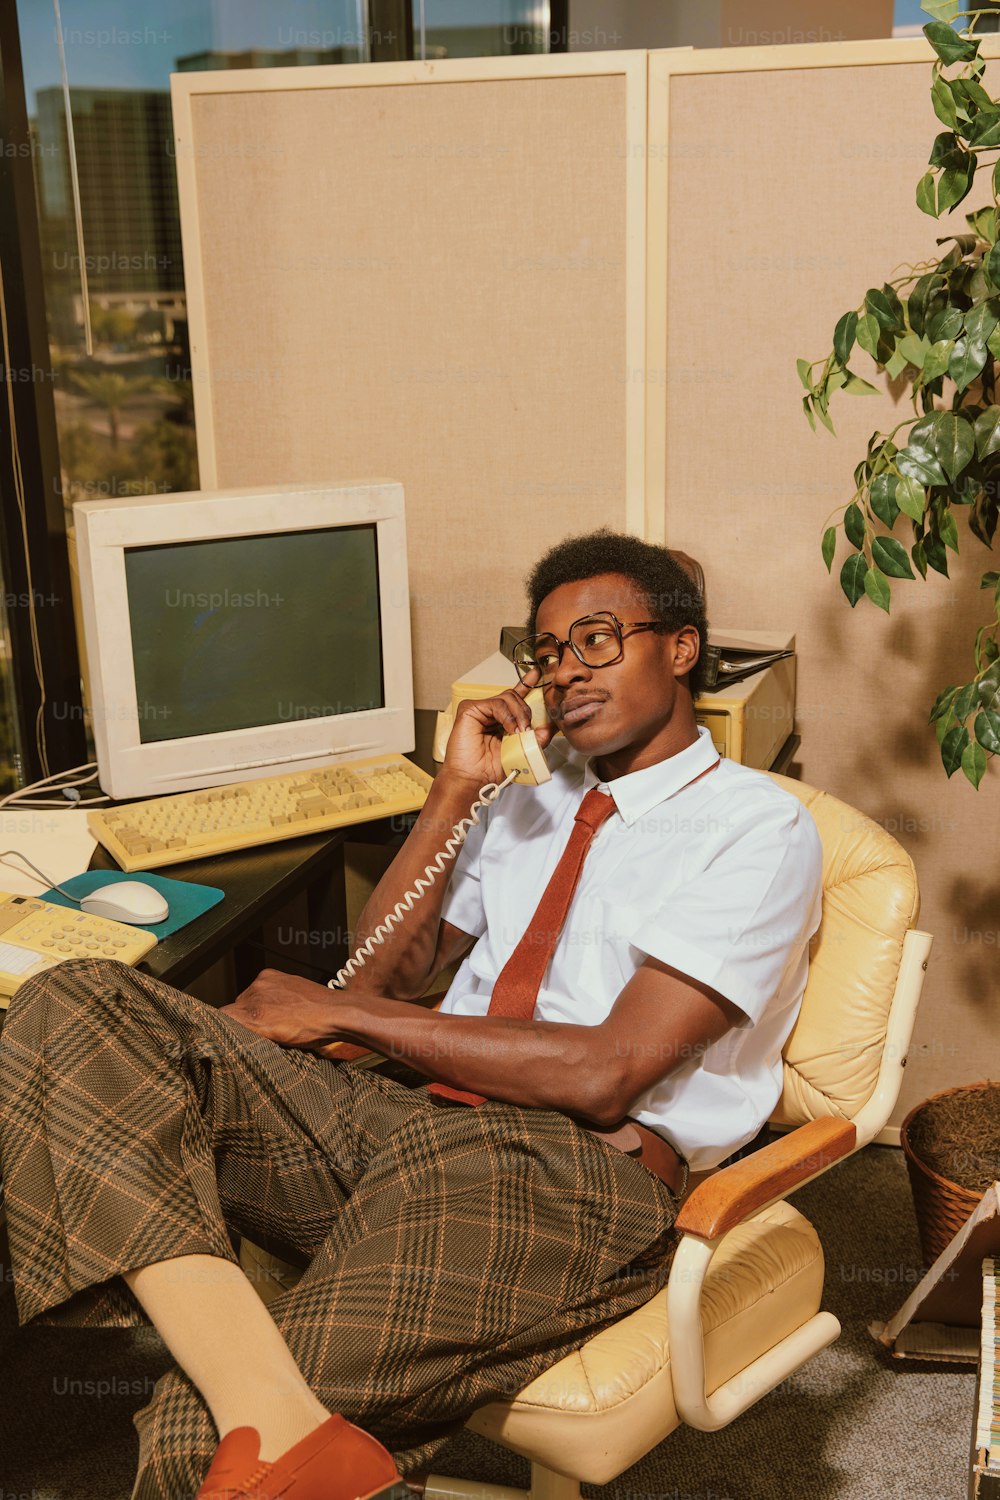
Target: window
109,246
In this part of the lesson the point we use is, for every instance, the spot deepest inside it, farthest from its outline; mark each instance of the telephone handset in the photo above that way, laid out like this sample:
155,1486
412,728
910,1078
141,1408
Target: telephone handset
521,753
524,764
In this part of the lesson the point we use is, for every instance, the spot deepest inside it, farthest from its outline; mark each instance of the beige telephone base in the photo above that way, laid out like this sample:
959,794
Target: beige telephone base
36,935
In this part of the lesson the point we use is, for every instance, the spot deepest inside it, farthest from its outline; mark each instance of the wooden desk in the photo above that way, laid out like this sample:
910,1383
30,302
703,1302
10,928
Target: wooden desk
257,884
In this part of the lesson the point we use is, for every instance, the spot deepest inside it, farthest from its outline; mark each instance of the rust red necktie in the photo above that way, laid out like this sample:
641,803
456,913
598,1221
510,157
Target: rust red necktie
518,983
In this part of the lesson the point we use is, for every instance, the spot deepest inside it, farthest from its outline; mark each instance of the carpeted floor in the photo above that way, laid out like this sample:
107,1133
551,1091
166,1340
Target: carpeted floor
852,1425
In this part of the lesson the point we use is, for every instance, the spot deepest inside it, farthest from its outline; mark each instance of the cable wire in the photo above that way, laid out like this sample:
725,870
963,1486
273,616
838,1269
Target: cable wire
487,795
39,874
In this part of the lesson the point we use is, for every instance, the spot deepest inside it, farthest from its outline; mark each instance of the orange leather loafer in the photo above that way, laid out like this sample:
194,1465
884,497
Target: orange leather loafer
336,1462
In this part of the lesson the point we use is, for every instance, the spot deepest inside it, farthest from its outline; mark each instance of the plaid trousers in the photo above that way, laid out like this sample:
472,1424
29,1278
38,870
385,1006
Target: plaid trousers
451,1254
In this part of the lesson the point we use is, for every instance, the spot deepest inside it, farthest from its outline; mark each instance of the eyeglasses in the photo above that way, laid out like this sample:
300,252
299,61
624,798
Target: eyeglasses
596,640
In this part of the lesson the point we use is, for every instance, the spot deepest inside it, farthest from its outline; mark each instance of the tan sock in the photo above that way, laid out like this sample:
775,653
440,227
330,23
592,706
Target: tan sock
226,1342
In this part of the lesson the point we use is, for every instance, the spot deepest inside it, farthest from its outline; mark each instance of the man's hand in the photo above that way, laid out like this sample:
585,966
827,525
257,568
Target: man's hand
481,723
295,1012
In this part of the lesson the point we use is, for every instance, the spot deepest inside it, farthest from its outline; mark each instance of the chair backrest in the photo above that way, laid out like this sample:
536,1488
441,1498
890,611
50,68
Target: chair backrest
870,902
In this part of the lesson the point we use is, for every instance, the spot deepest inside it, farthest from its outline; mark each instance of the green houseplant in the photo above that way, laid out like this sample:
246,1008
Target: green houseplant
939,324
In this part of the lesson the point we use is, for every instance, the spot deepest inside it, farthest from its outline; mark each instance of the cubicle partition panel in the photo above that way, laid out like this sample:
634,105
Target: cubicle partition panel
432,272
786,191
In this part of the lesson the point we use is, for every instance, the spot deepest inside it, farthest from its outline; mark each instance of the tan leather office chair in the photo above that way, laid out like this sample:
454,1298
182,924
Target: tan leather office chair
741,1310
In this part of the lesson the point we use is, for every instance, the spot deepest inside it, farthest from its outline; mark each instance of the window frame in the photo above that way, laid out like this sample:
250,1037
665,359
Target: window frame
35,562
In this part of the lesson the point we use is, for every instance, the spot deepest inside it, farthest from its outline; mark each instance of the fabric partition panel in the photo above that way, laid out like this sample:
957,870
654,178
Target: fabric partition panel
433,272
787,190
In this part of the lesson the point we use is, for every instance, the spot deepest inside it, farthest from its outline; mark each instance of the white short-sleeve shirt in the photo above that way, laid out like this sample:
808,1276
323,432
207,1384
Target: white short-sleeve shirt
720,878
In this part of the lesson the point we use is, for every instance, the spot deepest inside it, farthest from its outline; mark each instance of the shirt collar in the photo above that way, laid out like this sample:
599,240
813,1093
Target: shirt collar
640,791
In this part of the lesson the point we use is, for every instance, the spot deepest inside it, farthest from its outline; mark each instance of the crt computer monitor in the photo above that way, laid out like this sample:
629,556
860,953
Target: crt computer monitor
232,634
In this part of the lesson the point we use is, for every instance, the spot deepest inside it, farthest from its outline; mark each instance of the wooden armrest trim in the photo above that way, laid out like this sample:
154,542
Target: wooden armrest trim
726,1199
347,1051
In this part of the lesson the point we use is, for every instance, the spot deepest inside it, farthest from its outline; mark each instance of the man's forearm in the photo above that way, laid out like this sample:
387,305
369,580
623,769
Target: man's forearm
402,965
544,1064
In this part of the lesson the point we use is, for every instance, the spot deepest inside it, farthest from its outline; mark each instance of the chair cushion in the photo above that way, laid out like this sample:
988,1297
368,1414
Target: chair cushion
870,901
601,1409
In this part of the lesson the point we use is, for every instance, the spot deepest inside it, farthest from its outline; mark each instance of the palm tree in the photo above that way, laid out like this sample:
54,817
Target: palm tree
111,392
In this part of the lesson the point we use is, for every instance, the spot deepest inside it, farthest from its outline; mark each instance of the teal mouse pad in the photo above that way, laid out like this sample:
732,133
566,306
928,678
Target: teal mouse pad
186,901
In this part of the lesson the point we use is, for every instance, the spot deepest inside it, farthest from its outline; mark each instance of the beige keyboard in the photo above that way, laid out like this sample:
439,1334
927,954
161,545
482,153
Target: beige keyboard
196,825
36,935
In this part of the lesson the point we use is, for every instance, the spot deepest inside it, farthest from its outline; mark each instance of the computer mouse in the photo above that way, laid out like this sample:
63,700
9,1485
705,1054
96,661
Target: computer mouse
126,901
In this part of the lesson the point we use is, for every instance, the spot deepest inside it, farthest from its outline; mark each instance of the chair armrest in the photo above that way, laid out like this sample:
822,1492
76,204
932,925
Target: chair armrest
726,1199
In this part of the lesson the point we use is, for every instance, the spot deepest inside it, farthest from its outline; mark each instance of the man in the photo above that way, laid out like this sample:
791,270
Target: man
634,939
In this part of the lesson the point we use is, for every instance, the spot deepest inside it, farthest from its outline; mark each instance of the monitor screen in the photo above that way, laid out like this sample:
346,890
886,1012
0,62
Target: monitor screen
244,631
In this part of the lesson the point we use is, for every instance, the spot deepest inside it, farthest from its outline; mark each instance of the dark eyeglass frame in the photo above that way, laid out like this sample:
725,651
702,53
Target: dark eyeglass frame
605,617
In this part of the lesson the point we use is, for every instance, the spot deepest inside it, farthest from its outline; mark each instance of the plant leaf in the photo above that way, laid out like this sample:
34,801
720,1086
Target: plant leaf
910,498
992,263
937,557
974,762
868,331
987,729
852,577
943,725
985,131
984,222
946,324
829,546
965,702
882,496
880,307
972,90
953,748
843,336
946,150
919,464
854,525
942,10
855,386
967,359
936,359
914,349
981,320
824,416
989,689
948,530
943,102
927,195
805,373
941,702
949,46
896,364
955,183
988,432
919,557
954,443
807,408
895,306
877,588
890,556
916,304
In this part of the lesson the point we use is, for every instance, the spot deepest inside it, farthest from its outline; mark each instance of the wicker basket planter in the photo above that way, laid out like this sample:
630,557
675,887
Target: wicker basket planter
941,1206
